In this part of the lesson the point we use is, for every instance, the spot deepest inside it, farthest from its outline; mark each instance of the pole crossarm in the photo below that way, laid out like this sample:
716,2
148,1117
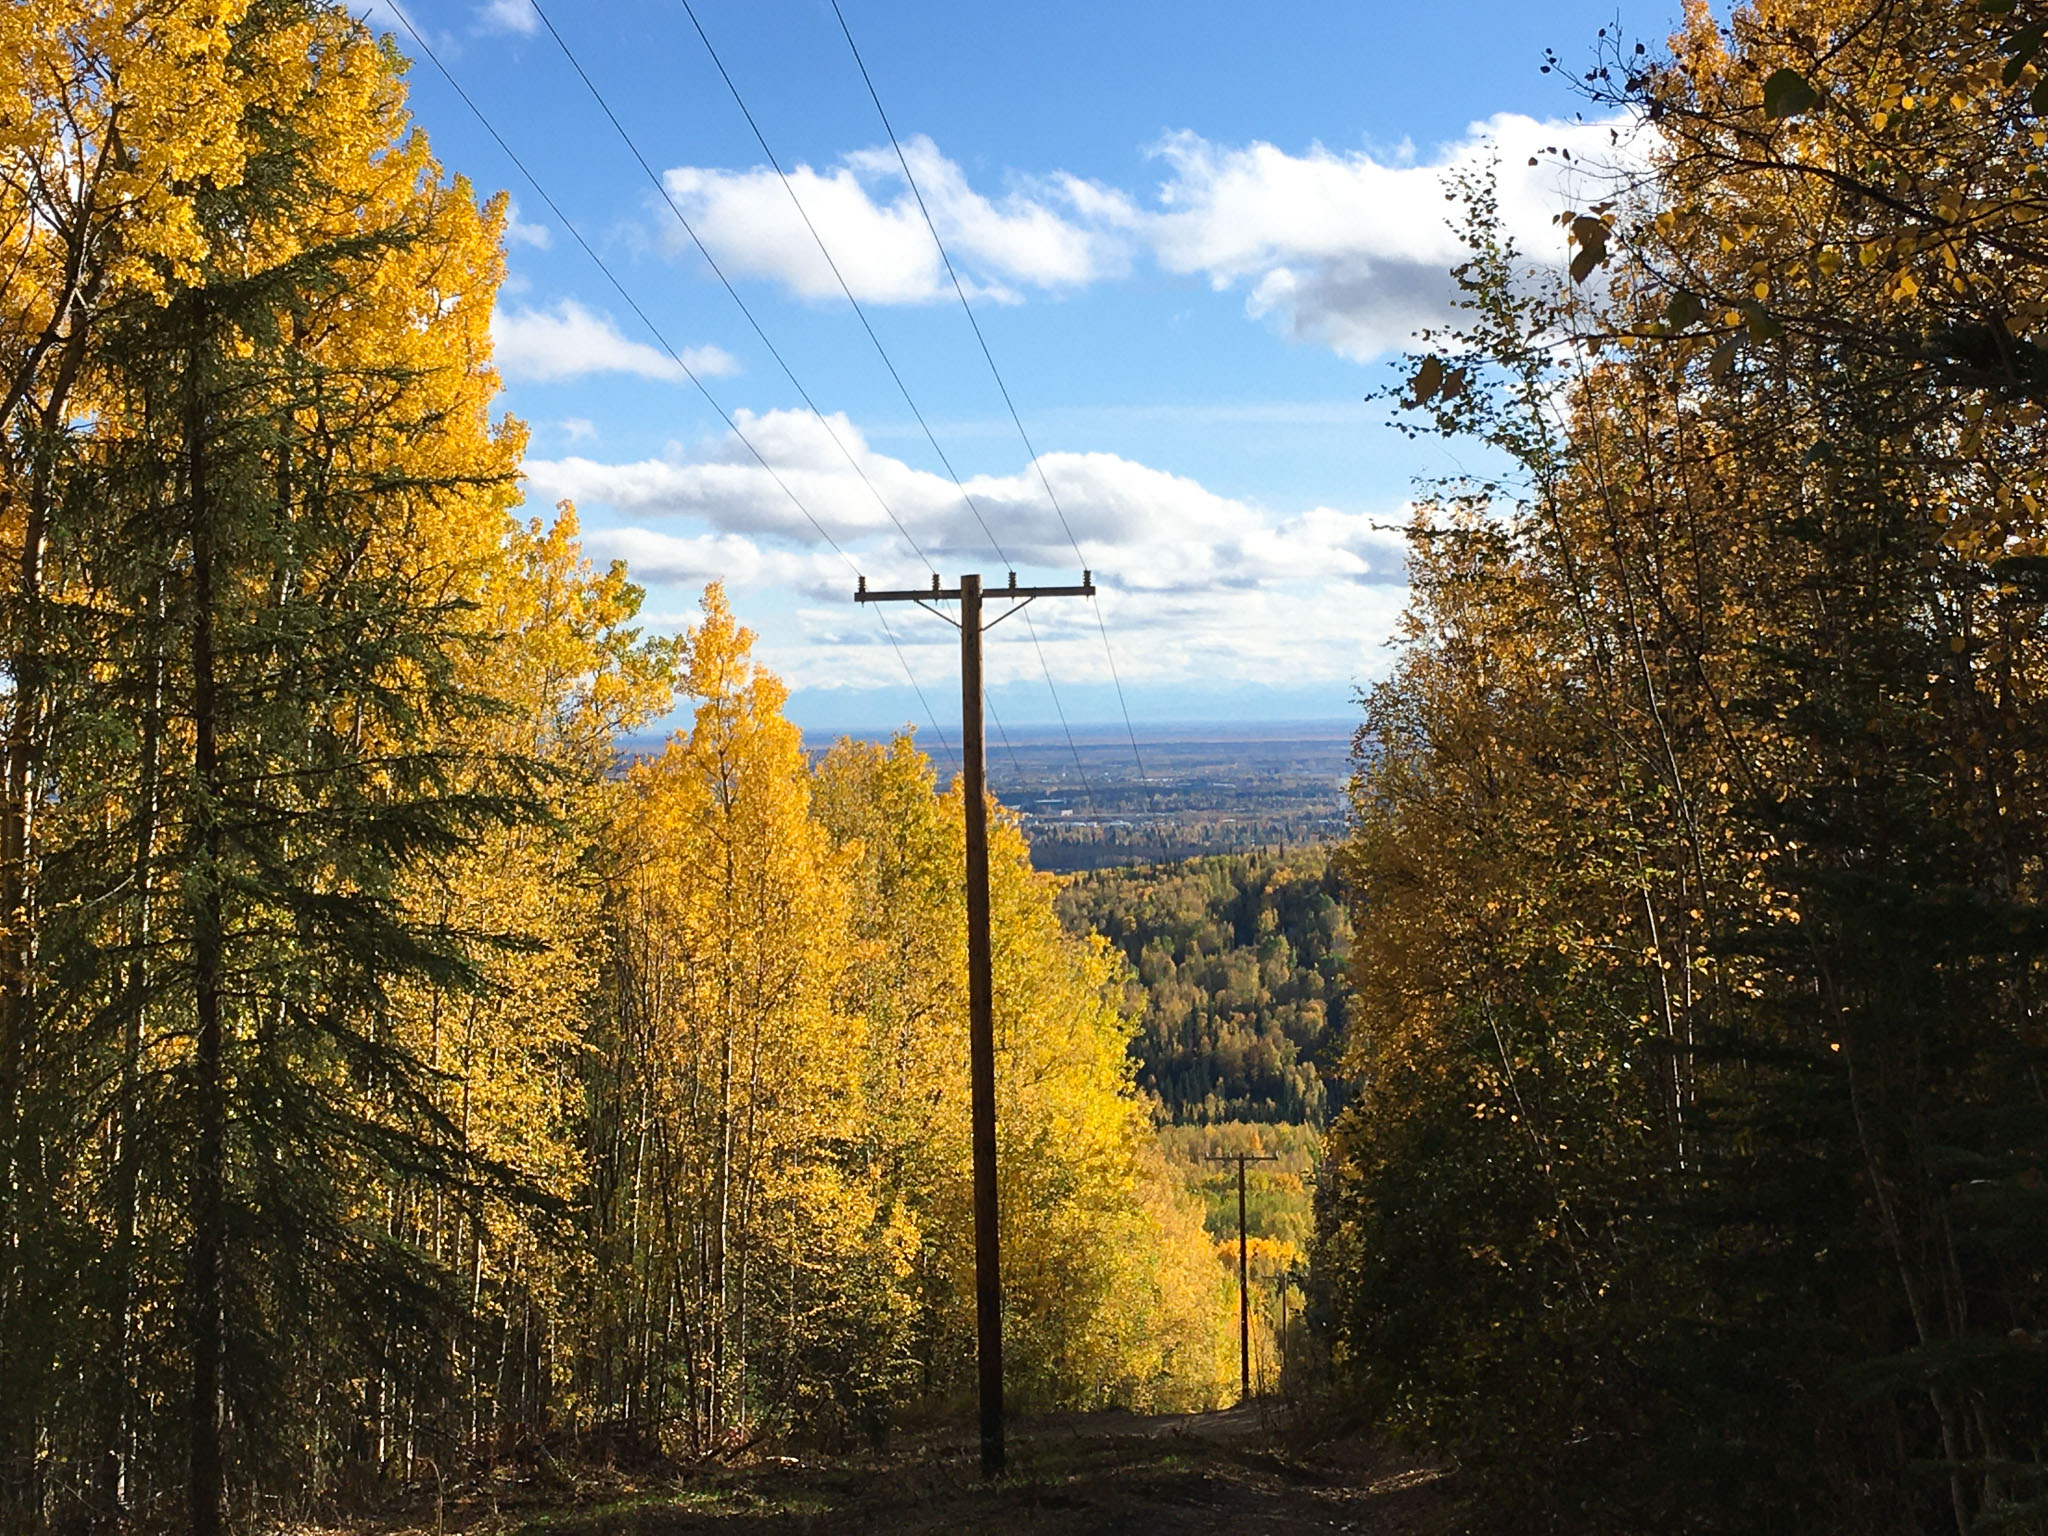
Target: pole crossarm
938,594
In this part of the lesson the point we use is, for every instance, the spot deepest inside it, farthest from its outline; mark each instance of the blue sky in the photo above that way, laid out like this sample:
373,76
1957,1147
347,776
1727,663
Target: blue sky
1193,234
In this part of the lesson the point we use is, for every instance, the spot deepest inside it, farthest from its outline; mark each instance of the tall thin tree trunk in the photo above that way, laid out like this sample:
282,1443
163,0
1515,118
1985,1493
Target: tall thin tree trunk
65,336
116,1452
722,1201
17,1435
207,1467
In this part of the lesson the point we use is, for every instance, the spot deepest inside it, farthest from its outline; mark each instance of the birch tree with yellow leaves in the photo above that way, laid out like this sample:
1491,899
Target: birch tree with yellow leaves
780,1201
1111,1293
511,1055
734,1079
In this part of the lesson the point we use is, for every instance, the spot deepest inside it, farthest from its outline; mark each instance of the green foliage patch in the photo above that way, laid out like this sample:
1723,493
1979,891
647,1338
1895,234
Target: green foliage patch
1237,968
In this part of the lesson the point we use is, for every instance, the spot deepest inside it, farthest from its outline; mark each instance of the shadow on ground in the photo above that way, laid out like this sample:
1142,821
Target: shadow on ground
1083,1473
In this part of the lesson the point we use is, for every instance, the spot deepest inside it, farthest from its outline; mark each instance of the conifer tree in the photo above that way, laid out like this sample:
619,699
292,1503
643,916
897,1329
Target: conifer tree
266,555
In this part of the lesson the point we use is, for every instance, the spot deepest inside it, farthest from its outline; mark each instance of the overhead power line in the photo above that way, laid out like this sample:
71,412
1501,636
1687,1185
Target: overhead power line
840,277
882,351
1017,420
661,340
703,250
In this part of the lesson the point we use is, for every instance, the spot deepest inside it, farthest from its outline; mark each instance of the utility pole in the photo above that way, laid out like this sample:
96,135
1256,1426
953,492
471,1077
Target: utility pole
981,1024
1244,1272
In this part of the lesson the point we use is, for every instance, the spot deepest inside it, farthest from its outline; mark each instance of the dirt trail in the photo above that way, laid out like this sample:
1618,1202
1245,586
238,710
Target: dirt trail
1076,1475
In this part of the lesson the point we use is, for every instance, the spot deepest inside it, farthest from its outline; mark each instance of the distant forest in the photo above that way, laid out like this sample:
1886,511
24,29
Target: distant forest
1238,965
1065,846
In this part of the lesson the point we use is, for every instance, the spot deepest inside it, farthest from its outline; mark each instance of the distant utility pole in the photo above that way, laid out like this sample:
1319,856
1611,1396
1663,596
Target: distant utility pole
1244,1272
981,1024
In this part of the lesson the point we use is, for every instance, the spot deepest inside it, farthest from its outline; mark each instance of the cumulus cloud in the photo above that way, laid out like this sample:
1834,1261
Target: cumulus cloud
1290,636
1351,250
692,560
1057,233
1164,532
1200,584
570,341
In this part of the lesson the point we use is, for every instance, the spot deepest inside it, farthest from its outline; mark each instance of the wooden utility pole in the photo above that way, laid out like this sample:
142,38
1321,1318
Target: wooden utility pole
981,1025
1244,1273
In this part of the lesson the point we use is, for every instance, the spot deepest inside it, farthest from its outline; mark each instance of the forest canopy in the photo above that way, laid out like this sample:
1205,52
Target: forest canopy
1693,1178
393,1078
1237,969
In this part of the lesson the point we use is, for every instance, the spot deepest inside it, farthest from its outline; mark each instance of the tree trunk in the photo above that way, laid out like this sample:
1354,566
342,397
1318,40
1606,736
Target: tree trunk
206,1490
118,1401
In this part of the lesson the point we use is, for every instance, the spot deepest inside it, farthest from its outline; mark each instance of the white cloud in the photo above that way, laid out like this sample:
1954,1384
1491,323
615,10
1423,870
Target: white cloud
745,565
1165,532
1059,233
1349,250
1194,584
1353,251
508,16
571,341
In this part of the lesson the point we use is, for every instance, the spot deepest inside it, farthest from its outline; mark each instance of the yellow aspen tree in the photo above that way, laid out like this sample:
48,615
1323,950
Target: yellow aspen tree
906,978
1695,848
1107,1266
1111,1290
572,674
733,923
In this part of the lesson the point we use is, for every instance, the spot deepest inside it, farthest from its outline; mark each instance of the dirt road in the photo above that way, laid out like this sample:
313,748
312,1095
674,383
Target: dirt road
1072,1476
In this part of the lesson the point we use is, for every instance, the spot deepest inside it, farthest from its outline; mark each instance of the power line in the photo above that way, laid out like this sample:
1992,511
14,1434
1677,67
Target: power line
662,340
1059,709
929,713
960,290
1008,750
787,372
844,287
881,351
